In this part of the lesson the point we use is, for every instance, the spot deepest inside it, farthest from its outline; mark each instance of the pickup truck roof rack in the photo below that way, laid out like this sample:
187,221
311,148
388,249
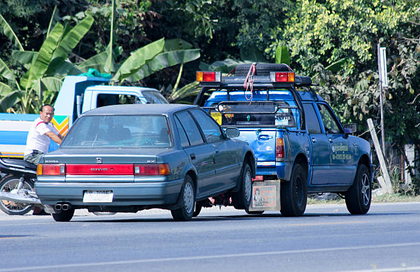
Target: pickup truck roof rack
254,76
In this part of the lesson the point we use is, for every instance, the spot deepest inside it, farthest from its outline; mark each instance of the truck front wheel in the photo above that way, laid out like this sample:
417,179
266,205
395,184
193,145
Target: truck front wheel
359,196
293,193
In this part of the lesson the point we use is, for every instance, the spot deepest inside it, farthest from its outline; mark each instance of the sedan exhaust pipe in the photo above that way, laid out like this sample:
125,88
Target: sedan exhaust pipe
62,207
65,207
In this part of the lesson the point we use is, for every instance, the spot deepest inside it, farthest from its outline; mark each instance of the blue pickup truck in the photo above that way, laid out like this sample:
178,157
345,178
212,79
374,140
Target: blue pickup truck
300,145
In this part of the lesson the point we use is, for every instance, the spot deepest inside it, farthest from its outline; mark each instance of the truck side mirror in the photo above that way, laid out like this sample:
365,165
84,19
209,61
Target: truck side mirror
350,128
232,132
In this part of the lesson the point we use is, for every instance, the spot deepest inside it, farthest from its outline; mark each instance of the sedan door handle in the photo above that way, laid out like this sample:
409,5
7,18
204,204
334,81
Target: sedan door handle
192,156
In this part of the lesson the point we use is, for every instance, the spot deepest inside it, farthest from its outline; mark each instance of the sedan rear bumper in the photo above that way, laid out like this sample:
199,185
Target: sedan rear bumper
124,194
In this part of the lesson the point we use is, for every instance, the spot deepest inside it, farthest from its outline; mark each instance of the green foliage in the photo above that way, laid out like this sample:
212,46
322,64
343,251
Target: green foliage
282,55
333,41
8,31
188,91
39,87
138,58
325,32
342,36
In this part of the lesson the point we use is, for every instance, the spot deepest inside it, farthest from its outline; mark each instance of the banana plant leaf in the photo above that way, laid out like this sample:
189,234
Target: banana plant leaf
336,66
138,58
165,60
224,66
110,66
252,54
66,68
52,20
282,55
5,89
177,44
96,62
188,90
10,100
8,31
6,72
42,62
51,84
49,88
26,58
69,42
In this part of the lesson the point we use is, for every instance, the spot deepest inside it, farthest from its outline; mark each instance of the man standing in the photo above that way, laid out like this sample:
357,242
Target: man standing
39,136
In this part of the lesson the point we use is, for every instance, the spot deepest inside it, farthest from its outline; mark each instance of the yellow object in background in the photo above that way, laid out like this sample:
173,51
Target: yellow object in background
217,116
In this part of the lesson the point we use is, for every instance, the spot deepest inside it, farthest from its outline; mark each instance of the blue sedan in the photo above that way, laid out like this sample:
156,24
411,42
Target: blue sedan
128,158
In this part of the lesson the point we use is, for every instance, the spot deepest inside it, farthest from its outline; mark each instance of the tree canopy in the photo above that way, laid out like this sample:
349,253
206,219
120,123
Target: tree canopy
333,41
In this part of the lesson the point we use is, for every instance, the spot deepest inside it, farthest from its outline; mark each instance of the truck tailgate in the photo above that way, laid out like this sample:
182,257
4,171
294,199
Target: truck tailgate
263,141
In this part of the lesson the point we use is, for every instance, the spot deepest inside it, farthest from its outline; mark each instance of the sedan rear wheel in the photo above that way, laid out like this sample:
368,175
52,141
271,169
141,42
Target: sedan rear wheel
186,211
64,216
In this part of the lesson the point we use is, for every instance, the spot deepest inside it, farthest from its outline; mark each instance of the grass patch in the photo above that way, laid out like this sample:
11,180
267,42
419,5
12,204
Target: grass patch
386,198
393,197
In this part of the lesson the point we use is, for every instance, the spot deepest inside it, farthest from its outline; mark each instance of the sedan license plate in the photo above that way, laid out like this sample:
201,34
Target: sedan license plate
98,196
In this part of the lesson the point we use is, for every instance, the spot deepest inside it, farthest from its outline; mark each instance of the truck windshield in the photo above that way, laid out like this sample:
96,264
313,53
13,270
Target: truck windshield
154,97
257,113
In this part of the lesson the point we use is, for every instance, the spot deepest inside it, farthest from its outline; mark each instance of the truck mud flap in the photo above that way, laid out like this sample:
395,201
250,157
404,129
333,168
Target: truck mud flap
265,196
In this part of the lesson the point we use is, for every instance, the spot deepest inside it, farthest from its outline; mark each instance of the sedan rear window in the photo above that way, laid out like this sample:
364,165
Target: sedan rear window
119,131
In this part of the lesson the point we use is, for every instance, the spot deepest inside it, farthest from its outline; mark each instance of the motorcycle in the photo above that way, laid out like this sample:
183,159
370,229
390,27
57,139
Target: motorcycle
17,193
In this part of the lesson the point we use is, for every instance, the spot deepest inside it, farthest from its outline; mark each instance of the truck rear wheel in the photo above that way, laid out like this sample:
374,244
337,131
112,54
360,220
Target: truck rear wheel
294,193
359,196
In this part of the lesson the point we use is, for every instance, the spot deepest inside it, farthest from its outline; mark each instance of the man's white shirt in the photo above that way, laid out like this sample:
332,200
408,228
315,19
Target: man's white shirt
37,138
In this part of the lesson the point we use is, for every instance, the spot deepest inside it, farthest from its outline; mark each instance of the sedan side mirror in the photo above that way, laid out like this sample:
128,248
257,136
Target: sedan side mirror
232,132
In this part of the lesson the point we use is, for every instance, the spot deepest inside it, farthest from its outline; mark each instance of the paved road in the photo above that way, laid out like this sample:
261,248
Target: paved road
327,238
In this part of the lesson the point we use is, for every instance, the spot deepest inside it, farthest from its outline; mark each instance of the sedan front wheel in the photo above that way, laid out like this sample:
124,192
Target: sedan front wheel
242,199
186,211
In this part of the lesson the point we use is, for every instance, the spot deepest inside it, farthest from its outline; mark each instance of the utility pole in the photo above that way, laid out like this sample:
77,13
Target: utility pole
383,82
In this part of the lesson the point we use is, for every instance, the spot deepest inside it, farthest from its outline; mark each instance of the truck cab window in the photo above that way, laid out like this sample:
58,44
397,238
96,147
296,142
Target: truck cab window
115,99
312,122
331,124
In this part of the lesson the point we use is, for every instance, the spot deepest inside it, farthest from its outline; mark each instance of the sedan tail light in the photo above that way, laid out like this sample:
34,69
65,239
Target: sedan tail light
51,170
103,169
151,169
99,169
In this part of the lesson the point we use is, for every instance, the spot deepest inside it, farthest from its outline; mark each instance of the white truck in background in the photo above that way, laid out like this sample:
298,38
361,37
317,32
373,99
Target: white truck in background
77,95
